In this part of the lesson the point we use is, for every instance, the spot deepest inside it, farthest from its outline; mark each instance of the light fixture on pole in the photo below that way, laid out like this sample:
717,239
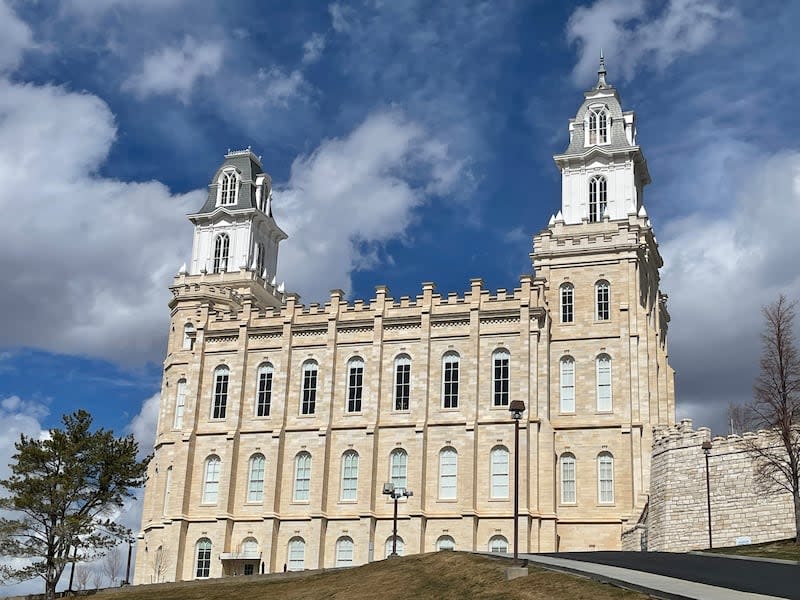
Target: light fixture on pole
706,446
128,572
395,493
516,408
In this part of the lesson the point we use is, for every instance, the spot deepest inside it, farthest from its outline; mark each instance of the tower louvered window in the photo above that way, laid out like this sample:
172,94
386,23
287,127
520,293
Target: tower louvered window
598,126
222,246
228,188
598,198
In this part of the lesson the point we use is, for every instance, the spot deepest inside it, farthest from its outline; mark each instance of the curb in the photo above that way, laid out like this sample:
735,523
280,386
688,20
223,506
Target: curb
780,561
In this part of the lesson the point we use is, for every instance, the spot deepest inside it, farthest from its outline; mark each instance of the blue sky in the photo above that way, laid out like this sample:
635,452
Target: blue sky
408,142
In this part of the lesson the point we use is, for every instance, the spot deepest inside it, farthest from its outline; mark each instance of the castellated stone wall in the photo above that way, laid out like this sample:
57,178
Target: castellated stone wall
676,519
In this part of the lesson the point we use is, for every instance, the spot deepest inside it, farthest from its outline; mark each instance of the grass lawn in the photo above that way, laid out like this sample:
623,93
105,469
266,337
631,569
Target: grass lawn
439,575
785,549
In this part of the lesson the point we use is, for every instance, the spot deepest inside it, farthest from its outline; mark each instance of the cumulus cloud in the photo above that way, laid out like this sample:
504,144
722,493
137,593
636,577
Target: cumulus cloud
174,70
278,87
632,37
354,193
15,38
145,423
313,48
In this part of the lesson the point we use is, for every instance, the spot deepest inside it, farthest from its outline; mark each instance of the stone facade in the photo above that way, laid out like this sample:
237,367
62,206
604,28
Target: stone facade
742,509
595,381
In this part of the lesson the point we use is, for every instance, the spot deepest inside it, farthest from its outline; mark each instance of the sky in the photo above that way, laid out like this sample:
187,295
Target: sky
408,141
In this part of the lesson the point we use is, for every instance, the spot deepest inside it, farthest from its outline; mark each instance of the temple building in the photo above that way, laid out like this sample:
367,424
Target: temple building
280,422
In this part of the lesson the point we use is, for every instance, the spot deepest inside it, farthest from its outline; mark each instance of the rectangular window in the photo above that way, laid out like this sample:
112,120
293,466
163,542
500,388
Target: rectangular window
203,560
309,405
568,386
448,474
568,480
255,491
500,473
211,488
355,387
180,404
603,384
606,477
501,379
220,396
567,304
302,480
350,477
603,304
264,395
402,385
450,383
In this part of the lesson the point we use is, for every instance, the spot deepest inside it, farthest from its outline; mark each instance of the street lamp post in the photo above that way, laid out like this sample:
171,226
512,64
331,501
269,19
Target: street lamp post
516,408
128,572
395,493
706,446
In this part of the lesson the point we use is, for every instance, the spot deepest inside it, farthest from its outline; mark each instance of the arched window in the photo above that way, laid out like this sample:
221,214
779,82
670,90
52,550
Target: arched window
398,461
445,542
308,404
167,490
355,384
222,247
202,558
211,480
264,390
605,478
229,187
402,382
598,125
498,543
567,384
344,552
249,548
602,294
259,249
567,293
500,362
598,198
220,401
180,403
450,364
297,554
400,545
350,475
188,336
255,488
604,383
448,473
499,466
568,495
302,477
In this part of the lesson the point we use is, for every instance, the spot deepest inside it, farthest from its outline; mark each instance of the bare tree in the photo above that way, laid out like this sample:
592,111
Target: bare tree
160,565
112,565
97,579
82,577
738,418
776,405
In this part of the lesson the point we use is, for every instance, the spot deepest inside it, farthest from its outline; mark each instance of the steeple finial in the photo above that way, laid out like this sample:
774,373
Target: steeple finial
601,72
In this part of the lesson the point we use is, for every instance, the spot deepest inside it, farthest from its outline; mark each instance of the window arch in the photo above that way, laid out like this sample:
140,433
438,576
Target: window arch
402,382
188,336
498,543
350,475
500,377
598,198
302,477
297,554
180,403
445,542
568,466
401,546
249,548
222,248
202,558
211,479
605,478
598,125
499,472
220,401
398,462
567,299
602,293
308,404
228,187
355,384
450,377
603,369
567,384
255,487
344,552
448,473
264,390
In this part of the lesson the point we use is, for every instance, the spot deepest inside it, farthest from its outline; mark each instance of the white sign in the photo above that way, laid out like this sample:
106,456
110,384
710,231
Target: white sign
743,540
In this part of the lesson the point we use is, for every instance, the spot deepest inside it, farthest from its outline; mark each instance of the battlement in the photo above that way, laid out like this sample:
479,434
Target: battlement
682,436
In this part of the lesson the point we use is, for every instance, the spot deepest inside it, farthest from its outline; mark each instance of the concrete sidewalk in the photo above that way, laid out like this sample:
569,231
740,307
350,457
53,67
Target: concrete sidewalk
659,586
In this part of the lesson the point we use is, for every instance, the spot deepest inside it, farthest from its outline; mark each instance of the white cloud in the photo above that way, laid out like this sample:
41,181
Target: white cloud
313,47
354,193
15,38
340,17
144,425
176,69
632,37
279,87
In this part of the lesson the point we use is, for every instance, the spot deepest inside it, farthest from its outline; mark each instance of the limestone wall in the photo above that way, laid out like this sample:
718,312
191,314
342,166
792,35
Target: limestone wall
741,507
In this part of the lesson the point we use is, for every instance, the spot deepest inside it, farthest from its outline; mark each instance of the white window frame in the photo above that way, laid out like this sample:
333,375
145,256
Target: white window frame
202,563
211,476
349,491
401,546
355,384
495,543
448,473
302,477
604,379
180,403
499,472
445,542
222,252
567,378
598,198
219,395
402,382
309,387
296,559
398,468
598,123
605,478
228,187
188,337
255,478
249,548
451,375
602,300
566,304
568,475
501,381
264,381
167,490
344,551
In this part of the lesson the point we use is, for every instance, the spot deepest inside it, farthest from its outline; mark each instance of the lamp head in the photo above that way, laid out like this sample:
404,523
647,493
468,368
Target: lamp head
706,446
516,408
388,488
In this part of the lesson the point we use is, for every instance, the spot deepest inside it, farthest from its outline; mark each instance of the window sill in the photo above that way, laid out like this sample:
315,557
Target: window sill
348,413
348,501
307,416
568,504
506,499
262,417
401,411
450,409
447,500
254,503
606,505
300,502
567,323
567,414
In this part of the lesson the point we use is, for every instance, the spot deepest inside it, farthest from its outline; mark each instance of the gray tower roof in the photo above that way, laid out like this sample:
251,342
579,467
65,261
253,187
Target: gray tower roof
249,167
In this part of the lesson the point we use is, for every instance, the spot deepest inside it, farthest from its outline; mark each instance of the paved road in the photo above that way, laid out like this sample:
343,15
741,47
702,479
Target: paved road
772,579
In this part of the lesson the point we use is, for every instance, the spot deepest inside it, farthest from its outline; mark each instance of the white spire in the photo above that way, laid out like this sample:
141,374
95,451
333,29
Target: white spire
273,282
281,287
559,217
552,221
182,270
642,212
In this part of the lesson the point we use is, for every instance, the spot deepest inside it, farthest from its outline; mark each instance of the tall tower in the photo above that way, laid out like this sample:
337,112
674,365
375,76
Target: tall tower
610,381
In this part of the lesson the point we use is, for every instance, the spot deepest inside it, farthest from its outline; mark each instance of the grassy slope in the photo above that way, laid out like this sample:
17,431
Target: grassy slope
440,575
783,549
